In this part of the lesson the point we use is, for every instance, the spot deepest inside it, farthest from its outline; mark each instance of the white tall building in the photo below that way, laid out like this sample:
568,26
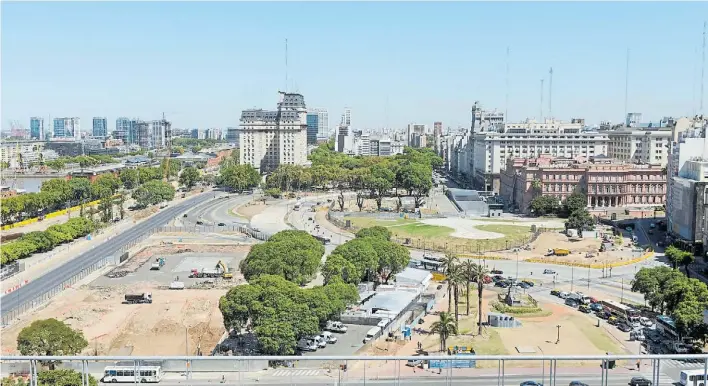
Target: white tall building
530,139
345,140
346,117
322,123
269,138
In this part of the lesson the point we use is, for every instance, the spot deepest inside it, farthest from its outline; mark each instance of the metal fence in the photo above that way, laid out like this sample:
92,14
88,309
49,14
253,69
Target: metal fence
250,232
49,293
476,370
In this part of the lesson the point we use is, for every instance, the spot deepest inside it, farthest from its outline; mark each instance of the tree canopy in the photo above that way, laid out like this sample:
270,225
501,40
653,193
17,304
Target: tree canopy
50,337
293,255
280,313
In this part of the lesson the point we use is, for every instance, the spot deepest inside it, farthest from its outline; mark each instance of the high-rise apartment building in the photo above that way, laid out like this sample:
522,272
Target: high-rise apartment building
100,127
232,135
345,140
648,146
321,129
37,128
67,128
412,130
269,138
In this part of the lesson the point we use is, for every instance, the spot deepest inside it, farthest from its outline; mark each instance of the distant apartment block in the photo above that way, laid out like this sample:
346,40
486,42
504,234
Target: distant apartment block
648,146
37,128
346,117
232,135
124,130
269,138
100,127
67,128
412,130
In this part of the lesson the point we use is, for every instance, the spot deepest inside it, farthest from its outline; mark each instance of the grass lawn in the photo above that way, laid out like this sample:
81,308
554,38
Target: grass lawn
598,336
438,238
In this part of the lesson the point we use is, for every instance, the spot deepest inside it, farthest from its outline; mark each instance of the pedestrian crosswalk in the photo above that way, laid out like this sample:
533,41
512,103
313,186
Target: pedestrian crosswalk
682,363
663,379
295,373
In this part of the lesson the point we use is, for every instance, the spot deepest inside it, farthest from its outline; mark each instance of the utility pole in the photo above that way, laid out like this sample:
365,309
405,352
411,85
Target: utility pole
506,105
540,117
286,65
626,85
703,67
550,92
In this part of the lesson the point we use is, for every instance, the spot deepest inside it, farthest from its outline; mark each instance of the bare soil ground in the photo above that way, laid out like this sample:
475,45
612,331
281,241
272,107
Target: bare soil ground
113,328
251,209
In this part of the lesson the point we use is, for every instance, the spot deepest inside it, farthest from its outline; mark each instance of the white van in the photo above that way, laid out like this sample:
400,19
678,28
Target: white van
296,207
372,333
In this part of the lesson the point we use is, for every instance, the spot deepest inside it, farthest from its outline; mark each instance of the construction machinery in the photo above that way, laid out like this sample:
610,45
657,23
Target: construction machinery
138,298
159,263
219,271
177,285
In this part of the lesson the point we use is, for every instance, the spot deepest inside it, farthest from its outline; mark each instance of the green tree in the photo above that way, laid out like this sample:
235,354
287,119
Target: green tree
153,192
337,266
376,231
50,337
294,255
575,202
447,267
467,268
361,254
239,177
416,179
63,377
543,205
674,255
120,202
445,327
130,178
273,192
189,177
580,219
170,167
479,272
391,258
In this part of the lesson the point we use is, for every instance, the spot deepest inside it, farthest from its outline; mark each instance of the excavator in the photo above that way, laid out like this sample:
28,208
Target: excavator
225,270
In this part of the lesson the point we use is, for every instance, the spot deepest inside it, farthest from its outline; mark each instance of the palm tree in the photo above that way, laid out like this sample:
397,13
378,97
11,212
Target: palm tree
456,279
467,268
445,327
479,272
447,266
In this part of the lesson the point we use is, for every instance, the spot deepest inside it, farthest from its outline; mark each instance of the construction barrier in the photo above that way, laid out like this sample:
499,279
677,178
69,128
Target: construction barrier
481,257
437,276
643,257
15,288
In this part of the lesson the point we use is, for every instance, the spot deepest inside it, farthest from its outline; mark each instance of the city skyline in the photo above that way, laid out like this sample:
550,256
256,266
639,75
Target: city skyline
204,81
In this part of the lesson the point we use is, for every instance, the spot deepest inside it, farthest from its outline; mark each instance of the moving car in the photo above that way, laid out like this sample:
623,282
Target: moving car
555,292
528,282
221,224
624,327
549,272
531,383
200,222
577,383
639,381
497,272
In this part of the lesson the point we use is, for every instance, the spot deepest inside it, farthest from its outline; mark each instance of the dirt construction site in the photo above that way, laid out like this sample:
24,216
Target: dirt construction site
177,322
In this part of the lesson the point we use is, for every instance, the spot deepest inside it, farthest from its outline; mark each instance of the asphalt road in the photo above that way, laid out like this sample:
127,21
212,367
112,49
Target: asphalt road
217,211
57,276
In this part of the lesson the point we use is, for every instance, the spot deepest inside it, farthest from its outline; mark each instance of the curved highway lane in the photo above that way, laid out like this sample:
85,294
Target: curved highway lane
56,277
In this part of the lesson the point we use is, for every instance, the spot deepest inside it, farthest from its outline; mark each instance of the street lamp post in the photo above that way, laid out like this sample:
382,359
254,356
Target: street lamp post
558,338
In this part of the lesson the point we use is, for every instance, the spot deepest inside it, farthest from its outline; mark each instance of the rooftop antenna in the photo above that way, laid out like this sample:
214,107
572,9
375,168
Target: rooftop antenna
694,81
506,105
286,65
703,66
626,85
540,119
550,92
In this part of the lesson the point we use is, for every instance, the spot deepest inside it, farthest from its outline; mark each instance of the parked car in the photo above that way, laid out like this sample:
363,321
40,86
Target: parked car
612,320
555,292
624,327
497,272
577,383
646,322
501,284
549,272
523,285
329,337
584,308
531,383
639,381
597,307
563,295
603,315
572,303
528,282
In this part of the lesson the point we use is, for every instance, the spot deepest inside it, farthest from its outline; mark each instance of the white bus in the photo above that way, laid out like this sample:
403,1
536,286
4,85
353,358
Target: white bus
692,377
127,374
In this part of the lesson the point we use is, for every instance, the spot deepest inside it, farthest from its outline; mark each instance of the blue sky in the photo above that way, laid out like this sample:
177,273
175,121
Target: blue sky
202,63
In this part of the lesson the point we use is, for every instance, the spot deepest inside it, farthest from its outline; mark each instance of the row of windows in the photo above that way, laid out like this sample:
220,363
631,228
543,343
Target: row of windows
130,373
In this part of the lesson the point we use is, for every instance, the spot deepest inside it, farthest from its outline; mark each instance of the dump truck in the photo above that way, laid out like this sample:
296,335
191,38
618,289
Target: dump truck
138,298
219,271
558,252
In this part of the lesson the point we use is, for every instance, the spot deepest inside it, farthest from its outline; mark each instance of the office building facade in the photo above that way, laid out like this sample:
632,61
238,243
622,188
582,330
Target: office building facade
312,127
100,127
269,138
67,128
124,130
648,146
37,128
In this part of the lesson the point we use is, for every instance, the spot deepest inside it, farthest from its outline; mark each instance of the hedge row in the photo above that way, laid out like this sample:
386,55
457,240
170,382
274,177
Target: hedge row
37,242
